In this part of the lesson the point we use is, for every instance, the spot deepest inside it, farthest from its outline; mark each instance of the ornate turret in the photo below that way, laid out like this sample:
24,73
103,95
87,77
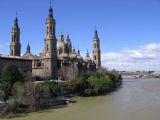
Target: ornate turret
15,46
78,52
87,58
28,49
96,50
69,44
73,50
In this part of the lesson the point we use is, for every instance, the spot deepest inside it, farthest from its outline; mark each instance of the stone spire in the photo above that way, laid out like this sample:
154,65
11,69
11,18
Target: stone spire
15,46
16,22
50,15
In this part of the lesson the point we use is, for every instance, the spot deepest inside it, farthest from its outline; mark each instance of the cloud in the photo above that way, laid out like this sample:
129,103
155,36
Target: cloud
146,57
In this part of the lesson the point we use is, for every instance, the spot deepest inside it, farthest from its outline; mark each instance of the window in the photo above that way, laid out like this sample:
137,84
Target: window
47,30
51,30
12,53
47,47
14,38
95,45
94,57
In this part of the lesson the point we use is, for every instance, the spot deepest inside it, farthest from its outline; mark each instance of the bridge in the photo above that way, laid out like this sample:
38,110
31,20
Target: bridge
141,74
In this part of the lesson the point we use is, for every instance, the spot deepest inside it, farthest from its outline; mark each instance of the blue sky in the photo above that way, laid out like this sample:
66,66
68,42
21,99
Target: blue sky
122,24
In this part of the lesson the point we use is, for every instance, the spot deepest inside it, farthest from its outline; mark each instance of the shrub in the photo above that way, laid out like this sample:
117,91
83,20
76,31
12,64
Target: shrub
99,83
54,88
18,91
71,86
94,84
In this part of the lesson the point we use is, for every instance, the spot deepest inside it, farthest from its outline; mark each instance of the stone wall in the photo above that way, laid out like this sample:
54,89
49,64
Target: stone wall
24,65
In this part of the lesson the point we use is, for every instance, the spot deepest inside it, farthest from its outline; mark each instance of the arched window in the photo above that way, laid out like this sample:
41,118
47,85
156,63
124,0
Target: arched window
12,52
47,30
51,30
14,38
47,48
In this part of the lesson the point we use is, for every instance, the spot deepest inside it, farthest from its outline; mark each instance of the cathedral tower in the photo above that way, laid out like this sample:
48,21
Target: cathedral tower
15,46
96,50
50,60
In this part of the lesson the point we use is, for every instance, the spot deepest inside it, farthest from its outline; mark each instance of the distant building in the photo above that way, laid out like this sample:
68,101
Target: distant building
55,54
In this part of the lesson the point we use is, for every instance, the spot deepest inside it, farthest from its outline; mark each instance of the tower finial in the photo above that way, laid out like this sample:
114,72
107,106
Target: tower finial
96,34
50,3
16,21
96,30
50,16
16,14
61,31
28,49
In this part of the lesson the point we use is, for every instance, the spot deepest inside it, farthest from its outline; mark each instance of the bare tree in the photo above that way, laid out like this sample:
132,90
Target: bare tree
102,70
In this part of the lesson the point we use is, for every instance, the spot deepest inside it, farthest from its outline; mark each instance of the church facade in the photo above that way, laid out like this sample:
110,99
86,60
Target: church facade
56,53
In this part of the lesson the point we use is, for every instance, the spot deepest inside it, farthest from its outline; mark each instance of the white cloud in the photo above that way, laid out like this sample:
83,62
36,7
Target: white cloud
146,57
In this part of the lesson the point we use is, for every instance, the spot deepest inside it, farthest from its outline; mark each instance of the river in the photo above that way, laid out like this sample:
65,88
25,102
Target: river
136,99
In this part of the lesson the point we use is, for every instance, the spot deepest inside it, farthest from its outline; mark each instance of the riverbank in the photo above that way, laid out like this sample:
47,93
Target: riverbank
30,96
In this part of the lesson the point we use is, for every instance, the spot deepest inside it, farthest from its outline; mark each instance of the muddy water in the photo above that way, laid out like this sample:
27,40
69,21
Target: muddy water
136,99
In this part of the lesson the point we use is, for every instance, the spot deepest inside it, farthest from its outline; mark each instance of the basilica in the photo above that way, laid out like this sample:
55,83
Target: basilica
55,55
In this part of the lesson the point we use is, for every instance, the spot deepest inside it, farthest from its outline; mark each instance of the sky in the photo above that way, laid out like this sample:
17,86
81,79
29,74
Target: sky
129,30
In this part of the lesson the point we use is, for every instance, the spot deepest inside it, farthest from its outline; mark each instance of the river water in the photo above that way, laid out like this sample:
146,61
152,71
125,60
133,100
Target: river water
136,99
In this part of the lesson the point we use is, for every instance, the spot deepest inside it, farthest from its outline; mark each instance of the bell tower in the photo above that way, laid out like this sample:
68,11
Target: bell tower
15,46
96,50
50,60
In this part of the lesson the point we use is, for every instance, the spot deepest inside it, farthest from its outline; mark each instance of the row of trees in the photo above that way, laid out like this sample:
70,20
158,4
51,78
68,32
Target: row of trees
94,83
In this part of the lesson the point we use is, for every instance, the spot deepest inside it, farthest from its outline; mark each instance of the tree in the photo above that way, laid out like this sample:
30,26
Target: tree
10,75
36,95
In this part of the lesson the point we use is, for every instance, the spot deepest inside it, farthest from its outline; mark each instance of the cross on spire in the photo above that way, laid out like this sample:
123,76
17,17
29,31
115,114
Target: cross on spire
16,14
50,3
16,21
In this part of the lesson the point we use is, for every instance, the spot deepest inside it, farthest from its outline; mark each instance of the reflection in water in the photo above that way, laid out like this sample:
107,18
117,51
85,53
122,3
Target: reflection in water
137,99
